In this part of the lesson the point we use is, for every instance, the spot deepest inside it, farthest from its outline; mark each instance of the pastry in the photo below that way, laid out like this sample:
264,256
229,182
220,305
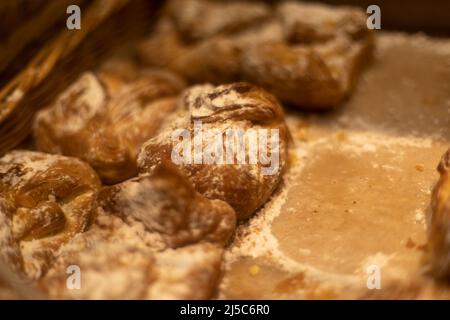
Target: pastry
168,206
226,164
10,252
123,271
439,222
154,237
45,200
308,55
104,118
92,122
346,219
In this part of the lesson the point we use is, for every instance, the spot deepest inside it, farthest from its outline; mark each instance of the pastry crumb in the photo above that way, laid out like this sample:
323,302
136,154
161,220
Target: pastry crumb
254,270
410,243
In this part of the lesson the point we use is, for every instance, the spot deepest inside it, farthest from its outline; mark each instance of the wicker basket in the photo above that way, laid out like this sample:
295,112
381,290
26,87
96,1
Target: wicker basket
106,25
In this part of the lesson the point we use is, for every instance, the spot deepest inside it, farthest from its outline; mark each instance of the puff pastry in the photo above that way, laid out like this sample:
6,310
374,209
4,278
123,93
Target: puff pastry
237,106
103,119
45,200
308,55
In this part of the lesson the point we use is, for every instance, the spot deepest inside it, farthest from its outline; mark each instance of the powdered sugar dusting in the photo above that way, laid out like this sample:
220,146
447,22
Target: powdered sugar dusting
255,238
213,20
79,103
9,251
204,100
18,167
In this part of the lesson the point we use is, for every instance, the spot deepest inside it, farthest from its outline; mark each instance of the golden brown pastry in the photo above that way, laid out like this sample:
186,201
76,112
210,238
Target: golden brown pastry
104,119
10,250
308,55
215,17
154,238
45,200
167,205
233,148
439,222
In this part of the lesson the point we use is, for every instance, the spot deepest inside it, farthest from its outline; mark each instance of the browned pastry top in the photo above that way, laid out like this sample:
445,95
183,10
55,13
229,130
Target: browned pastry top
154,237
197,20
103,120
44,201
234,107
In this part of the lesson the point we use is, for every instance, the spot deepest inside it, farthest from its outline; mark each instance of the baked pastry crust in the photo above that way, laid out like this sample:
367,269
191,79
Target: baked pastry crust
439,222
167,205
10,252
117,270
237,106
154,237
308,55
45,201
103,119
